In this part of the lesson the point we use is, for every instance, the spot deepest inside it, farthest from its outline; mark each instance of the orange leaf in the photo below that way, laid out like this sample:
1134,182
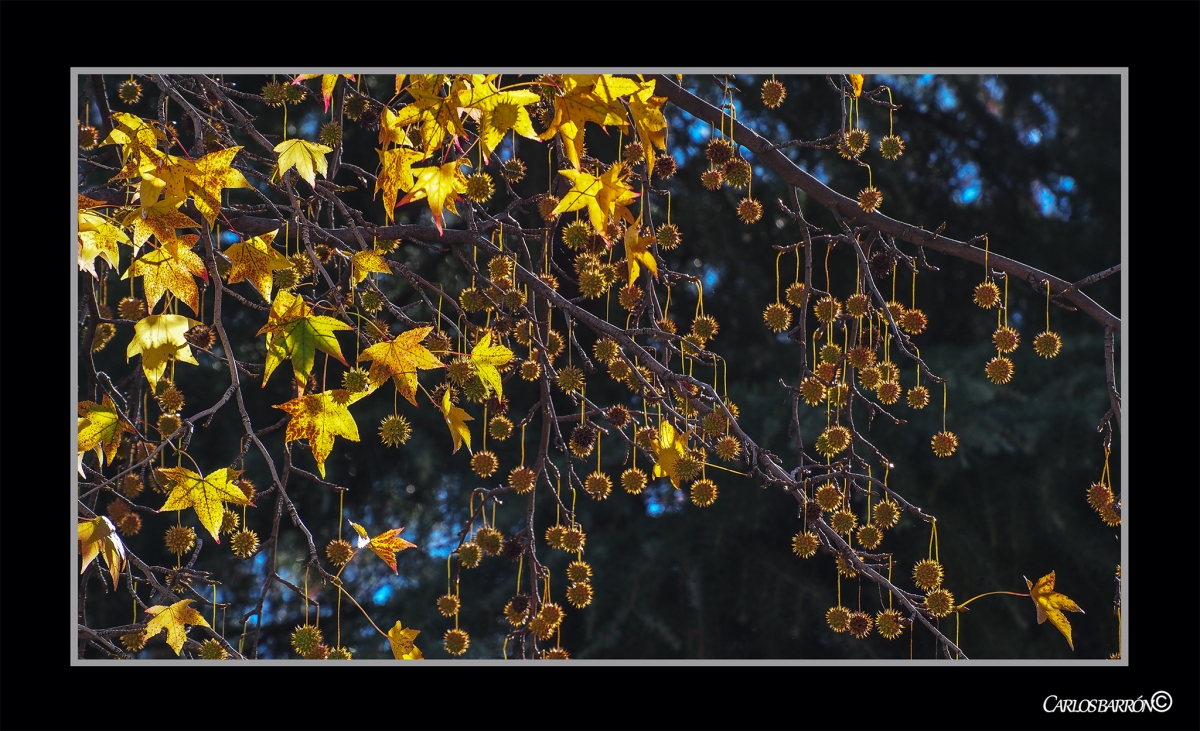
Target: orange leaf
400,359
319,418
385,545
256,259
401,641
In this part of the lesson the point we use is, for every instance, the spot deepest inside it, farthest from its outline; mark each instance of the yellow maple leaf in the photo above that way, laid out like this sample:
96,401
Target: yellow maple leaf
366,261
327,83
206,495
170,267
441,186
395,175
255,259
856,83
603,196
159,220
485,357
637,252
98,537
456,420
293,331
587,98
319,418
101,428
173,619
136,136
159,338
648,119
306,157
211,174
400,359
98,236
667,450
165,176
385,545
401,641
1050,603
498,112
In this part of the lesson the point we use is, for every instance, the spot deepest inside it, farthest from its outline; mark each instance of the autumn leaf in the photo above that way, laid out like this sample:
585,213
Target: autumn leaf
159,338
101,428
1050,603
166,176
136,136
320,417
648,119
207,495
172,619
293,331
395,175
587,98
856,83
305,157
170,267
499,112
255,259
667,450
159,220
400,359
98,537
485,357
211,174
98,237
327,83
366,261
456,420
441,186
385,545
637,252
603,196
401,641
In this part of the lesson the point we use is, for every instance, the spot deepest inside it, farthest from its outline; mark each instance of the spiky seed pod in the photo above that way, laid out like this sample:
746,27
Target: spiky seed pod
630,297
860,624
117,509
200,336
860,357
928,574
131,485
456,641
888,392
913,322
1006,339
490,540
598,485
618,415
826,371
330,134
460,370
469,555
339,552
180,539
987,294
773,93
574,540
306,638
1111,514
229,522
500,428
354,106
620,370
394,430
285,279
738,173
857,140
838,618
355,380
244,543
168,424
713,423
556,535
294,93
587,262
133,641
583,439
827,309
845,568
705,327
749,211
831,353
521,479
606,350
704,493
554,344
890,623
274,93
794,294
712,178
302,264
886,514
918,397
371,301
484,463
719,151
549,280
89,137
133,308
552,614
778,317
514,548
591,284
668,236
891,147
812,391
844,150
513,170
837,438
856,305
579,571
437,342
869,536
881,264
579,594
104,333
633,153
646,437
500,267
246,485
688,466
577,234
480,187
869,199
999,370
1099,496
171,400
889,371
212,650
472,300
667,325
665,167
515,615
546,205
732,407
129,524
540,628
105,311
939,602
634,480
1047,344
531,370
944,443
728,448
843,521
340,653
805,544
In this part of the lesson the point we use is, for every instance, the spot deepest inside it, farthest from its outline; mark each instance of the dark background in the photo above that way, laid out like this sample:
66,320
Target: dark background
1034,161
